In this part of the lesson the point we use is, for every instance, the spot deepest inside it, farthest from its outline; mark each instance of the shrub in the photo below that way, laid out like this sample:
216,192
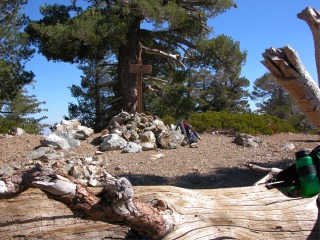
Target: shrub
167,120
244,123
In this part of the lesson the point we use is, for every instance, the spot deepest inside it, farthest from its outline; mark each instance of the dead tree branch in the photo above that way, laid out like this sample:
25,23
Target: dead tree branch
114,204
158,52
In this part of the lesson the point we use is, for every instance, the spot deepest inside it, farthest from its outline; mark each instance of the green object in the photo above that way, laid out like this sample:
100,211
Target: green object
307,172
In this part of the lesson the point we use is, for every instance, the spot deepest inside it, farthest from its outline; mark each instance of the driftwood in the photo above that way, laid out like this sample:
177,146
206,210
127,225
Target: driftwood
284,63
158,212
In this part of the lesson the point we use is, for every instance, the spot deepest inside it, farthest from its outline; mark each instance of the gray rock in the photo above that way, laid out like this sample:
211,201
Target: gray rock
69,137
146,146
170,140
288,146
38,153
54,141
76,171
132,147
247,140
112,142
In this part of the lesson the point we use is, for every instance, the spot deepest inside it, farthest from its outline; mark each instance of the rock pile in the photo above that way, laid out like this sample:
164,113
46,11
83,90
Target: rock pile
139,132
65,135
129,133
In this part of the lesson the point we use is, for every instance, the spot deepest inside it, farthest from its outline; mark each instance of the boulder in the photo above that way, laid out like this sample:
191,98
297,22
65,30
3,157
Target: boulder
132,147
112,142
69,137
54,141
146,146
170,140
148,136
247,140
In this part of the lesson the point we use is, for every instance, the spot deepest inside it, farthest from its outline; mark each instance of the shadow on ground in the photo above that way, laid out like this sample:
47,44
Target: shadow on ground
220,178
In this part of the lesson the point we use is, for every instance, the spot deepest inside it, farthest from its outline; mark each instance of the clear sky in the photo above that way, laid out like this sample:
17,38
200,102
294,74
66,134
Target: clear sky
256,24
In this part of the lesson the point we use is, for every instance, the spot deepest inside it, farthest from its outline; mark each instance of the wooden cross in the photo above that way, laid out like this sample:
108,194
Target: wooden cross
139,69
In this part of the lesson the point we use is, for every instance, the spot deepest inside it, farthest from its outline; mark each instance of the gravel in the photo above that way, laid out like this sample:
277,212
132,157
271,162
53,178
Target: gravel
216,163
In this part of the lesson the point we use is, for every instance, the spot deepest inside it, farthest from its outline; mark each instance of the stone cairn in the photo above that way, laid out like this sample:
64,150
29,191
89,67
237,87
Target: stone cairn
129,133
139,132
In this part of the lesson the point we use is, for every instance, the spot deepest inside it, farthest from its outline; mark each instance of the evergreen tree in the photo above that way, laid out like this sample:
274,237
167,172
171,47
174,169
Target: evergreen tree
274,100
94,100
176,32
17,113
14,49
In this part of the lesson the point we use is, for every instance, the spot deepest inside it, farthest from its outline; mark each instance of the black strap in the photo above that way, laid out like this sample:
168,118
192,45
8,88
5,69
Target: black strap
306,170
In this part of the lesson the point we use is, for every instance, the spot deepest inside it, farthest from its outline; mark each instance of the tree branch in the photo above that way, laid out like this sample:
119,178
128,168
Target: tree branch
157,52
114,204
149,79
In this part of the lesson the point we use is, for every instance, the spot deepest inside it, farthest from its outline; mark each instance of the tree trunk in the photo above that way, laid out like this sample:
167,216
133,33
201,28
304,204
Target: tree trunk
312,18
284,63
129,54
235,213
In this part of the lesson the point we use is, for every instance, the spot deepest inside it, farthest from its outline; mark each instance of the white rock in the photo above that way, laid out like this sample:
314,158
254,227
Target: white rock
112,142
132,147
54,141
157,156
3,188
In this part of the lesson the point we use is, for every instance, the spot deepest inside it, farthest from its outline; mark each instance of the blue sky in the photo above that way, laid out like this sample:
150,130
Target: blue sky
256,24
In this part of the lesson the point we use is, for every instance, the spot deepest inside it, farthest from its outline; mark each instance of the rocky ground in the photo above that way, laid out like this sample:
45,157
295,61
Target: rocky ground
216,163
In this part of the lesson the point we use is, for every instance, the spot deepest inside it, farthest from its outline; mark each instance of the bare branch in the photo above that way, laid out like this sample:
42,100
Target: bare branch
148,78
157,52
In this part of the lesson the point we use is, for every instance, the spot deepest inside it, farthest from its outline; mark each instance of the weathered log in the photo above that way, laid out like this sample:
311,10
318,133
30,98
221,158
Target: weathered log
32,215
114,204
232,213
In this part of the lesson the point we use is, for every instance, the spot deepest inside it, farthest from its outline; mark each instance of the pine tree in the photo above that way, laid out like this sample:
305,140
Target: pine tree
18,112
94,100
274,100
14,49
168,33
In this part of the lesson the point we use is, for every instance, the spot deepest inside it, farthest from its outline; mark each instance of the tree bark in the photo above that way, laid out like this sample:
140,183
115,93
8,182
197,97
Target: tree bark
232,213
129,54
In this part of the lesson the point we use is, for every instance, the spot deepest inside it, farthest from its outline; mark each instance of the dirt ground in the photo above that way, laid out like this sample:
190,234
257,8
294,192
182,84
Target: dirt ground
216,163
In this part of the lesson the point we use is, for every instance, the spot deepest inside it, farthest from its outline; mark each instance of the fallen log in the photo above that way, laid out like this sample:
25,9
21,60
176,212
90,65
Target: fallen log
232,213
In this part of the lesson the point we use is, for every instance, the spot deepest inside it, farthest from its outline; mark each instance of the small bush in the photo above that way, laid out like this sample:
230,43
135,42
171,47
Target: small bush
28,125
244,123
167,120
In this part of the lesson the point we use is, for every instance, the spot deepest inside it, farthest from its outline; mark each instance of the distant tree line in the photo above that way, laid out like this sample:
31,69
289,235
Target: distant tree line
192,70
